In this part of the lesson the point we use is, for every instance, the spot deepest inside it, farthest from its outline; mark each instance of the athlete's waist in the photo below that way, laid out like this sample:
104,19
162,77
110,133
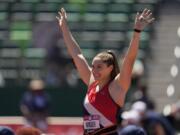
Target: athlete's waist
109,130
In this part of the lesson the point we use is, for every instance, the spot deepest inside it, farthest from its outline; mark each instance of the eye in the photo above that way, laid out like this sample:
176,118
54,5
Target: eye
99,66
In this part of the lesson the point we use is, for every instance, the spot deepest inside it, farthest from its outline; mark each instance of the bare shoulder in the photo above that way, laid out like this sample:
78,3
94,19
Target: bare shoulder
117,93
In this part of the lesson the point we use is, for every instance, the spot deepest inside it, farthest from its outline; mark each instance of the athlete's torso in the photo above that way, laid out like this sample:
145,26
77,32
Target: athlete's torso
99,109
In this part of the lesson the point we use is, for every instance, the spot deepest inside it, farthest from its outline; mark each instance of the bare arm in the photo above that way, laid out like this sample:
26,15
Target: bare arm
141,21
74,49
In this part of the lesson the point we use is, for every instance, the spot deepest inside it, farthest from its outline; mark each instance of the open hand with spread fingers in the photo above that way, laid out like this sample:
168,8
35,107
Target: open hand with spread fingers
62,17
143,19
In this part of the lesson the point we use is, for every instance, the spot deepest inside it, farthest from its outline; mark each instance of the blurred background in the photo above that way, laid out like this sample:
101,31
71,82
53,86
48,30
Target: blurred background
32,48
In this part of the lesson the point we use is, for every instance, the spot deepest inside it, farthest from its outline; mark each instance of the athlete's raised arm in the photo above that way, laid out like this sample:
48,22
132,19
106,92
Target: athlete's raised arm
73,48
141,21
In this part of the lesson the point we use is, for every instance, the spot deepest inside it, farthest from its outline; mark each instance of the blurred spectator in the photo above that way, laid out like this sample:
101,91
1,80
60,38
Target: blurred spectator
131,130
174,116
138,69
131,122
56,60
28,131
137,75
142,95
139,107
130,117
35,105
153,123
4,130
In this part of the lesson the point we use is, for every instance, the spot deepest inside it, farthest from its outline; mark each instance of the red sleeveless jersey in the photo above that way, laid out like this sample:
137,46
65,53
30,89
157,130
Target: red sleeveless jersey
100,103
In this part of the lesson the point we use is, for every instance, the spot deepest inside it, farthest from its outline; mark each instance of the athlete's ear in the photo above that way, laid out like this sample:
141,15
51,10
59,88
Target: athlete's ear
111,67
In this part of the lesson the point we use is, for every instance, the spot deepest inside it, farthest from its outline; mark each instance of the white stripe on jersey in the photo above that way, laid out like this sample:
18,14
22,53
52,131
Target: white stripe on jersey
92,110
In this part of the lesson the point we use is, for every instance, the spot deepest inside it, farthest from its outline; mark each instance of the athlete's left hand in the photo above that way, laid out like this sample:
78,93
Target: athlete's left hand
143,19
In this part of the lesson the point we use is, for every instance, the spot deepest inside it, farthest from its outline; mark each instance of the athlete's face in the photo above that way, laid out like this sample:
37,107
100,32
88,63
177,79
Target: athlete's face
100,70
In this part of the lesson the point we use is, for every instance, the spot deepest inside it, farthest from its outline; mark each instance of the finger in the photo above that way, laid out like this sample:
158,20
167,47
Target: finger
148,12
144,11
60,14
149,15
151,20
57,18
137,15
63,12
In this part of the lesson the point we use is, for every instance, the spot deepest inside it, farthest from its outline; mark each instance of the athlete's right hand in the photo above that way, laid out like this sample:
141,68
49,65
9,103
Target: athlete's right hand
62,17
